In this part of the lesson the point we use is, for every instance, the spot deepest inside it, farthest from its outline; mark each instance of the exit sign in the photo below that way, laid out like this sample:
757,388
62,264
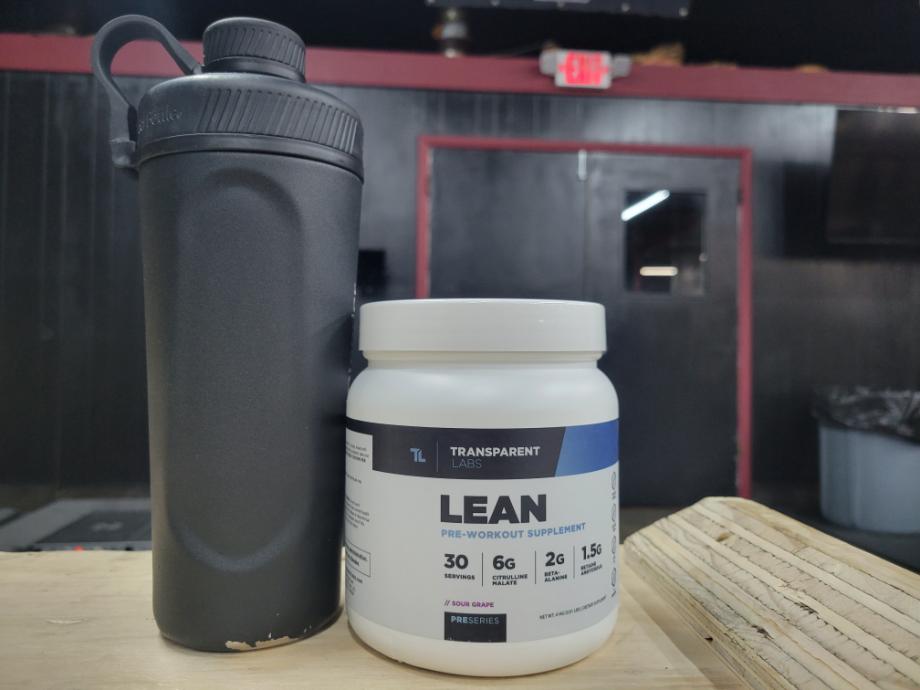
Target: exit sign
584,69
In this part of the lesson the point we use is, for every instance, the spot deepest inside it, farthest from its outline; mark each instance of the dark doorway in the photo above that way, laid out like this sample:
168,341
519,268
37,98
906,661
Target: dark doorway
668,278
652,237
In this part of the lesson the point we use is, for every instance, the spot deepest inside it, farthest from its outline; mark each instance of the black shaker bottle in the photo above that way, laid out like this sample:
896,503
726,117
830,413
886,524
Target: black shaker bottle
250,193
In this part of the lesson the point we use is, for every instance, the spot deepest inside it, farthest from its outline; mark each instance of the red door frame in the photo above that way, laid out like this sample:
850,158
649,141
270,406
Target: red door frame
426,145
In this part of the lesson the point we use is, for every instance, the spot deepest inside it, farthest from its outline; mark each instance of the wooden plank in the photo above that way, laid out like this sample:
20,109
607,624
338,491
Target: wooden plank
83,620
784,605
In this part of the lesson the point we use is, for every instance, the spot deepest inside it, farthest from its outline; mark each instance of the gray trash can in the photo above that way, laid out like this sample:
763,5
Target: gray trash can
870,458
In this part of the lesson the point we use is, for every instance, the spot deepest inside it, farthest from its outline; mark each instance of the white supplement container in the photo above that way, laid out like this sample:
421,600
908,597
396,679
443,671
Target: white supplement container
481,512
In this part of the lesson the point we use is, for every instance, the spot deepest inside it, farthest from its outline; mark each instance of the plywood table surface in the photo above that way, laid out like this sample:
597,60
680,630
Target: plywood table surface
785,606
83,620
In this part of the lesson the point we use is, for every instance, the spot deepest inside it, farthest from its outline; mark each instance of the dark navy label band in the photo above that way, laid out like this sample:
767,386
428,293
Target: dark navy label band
491,453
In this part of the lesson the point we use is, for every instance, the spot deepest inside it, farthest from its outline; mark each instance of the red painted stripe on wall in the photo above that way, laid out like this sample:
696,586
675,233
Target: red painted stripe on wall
39,53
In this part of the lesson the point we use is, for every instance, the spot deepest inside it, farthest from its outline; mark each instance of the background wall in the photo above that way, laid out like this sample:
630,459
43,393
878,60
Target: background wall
72,390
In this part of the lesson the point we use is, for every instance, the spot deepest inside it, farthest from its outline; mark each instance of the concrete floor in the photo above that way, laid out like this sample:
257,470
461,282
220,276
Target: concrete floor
23,498
802,503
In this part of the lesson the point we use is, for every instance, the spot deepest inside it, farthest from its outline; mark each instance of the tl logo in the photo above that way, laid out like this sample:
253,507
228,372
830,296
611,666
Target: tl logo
417,455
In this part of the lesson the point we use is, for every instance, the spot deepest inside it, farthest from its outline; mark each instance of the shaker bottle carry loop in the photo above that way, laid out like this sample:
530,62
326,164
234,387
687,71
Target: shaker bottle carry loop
123,115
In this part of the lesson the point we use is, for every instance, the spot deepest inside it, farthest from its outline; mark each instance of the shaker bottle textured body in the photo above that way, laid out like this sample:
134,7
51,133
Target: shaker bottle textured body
250,190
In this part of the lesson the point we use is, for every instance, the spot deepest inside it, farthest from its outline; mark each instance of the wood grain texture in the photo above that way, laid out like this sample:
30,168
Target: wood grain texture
785,606
83,620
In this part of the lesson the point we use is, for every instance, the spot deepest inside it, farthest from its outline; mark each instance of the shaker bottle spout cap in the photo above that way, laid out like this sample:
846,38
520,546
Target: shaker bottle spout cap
246,44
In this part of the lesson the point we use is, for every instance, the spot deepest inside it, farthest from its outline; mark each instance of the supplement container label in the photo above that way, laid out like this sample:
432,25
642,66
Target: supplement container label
482,535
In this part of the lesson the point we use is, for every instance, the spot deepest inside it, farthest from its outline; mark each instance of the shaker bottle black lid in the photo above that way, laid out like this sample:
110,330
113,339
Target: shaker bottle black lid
249,95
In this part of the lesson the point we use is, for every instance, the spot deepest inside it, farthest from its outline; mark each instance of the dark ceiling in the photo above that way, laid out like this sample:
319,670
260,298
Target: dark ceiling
870,35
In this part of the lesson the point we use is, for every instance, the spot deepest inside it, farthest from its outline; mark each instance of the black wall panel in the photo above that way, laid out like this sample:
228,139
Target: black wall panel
72,377
72,384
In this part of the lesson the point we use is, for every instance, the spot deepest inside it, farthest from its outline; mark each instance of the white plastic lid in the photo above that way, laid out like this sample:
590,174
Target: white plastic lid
482,325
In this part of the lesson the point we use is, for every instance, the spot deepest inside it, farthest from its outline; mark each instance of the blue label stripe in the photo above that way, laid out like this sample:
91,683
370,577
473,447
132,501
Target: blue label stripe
589,447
